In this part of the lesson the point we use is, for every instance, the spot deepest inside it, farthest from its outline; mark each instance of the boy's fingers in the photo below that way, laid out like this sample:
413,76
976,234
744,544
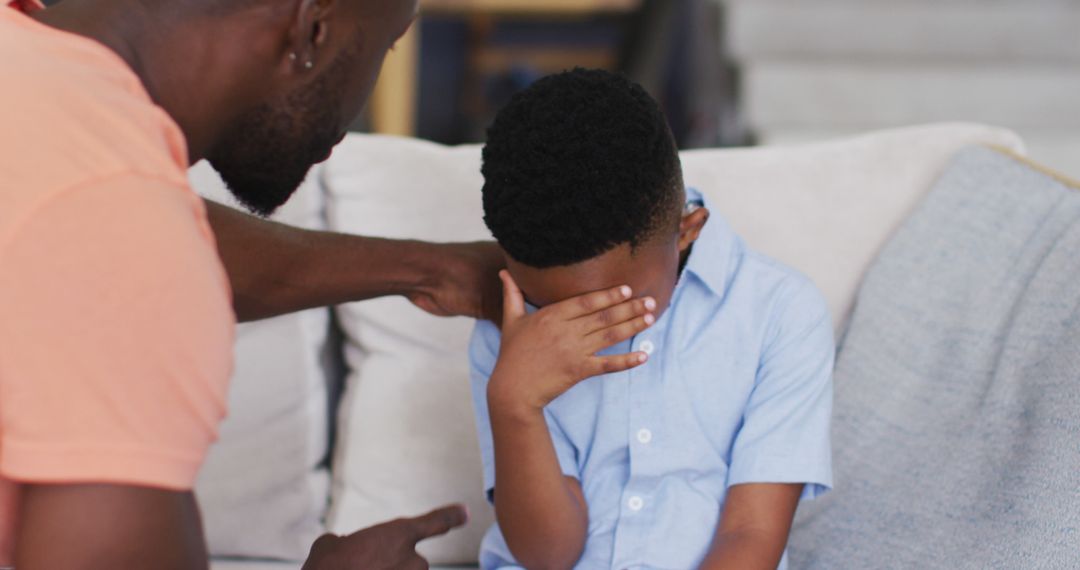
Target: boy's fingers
437,522
513,300
620,313
611,336
590,303
616,363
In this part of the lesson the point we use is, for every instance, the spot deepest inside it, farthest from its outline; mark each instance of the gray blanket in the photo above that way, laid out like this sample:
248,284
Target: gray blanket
957,418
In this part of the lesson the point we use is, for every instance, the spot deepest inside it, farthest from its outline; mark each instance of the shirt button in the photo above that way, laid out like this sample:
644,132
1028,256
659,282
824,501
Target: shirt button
644,435
635,503
647,347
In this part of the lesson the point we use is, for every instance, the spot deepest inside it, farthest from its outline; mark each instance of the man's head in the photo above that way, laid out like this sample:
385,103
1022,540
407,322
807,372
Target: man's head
277,81
263,89
583,189
325,67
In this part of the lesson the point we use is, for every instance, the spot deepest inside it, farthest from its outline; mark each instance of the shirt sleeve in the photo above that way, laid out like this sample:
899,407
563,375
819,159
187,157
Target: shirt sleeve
785,436
483,353
116,332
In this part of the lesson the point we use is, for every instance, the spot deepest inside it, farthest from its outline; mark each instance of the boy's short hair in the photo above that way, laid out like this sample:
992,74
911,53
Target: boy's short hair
577,164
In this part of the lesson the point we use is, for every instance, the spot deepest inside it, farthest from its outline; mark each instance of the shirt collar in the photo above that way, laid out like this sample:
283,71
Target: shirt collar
711,257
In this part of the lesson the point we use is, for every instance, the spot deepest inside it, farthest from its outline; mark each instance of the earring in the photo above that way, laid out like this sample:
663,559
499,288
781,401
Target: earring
292,56
309,64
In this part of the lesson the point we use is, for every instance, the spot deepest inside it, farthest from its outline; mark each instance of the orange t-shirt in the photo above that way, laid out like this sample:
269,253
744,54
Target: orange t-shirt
116,322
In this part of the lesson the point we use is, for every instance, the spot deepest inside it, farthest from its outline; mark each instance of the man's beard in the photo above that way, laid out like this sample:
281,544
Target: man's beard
266,154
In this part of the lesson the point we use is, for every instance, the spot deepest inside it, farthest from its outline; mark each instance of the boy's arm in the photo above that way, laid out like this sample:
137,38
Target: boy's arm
782,451
754,527
541,512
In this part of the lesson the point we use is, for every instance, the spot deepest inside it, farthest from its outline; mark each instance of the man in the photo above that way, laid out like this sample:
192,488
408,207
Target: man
119,288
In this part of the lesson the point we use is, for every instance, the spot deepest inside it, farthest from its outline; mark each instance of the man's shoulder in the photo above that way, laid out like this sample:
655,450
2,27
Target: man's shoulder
74,112
42,55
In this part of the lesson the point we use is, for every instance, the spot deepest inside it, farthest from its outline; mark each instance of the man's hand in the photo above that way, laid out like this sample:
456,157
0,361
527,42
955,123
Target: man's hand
388,546
546,353
463,282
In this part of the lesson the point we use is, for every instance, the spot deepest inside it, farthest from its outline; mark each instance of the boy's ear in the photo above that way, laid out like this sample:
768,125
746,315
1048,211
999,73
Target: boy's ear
690,227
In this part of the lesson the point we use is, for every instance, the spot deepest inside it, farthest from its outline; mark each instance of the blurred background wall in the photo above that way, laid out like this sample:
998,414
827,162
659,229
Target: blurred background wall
736,72
816,68
739,72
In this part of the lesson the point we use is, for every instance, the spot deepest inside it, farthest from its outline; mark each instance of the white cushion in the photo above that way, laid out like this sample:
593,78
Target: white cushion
406,441
406,435
263,490
827,208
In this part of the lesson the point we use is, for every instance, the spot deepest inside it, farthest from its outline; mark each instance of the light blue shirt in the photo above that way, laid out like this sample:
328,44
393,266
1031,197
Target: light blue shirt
738,389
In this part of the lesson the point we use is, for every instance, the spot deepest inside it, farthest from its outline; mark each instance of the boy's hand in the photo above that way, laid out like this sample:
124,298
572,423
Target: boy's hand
546,353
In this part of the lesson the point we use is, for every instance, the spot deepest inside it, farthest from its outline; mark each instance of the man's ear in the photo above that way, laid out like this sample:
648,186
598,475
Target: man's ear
690,226
309,33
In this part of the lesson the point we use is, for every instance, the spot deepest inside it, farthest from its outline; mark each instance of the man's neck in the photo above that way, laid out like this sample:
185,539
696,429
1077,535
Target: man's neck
173,66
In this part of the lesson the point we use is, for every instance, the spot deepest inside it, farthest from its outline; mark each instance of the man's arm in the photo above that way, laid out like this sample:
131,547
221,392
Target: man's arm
90,527
106,527
276,269
754,526
9,509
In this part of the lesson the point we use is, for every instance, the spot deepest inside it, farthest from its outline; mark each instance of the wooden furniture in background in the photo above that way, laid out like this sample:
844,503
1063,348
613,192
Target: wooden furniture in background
393,104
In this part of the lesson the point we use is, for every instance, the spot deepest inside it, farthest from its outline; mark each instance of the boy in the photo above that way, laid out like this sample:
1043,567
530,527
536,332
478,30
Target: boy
678,429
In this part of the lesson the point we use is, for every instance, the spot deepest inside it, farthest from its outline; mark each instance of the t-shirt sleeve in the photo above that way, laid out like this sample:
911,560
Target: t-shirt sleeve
483,353
116,331
785,437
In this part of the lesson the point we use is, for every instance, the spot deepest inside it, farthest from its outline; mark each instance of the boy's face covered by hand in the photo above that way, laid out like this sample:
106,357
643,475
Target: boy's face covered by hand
651,269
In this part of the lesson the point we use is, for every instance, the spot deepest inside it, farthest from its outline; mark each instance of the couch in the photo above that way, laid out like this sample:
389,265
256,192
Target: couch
344,417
